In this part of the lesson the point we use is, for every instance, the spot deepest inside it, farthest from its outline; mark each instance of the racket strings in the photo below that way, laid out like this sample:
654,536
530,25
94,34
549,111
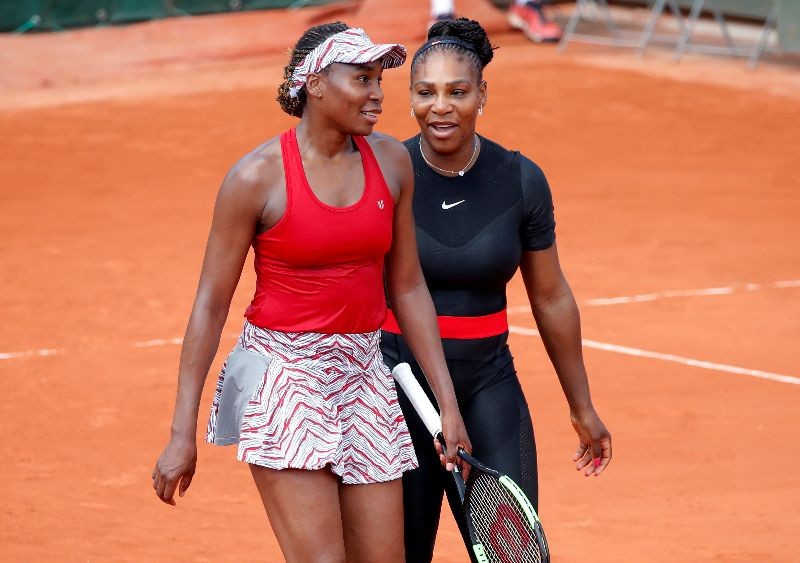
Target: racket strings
500,523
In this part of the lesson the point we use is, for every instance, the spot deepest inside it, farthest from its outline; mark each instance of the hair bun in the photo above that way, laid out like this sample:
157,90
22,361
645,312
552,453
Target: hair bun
468,31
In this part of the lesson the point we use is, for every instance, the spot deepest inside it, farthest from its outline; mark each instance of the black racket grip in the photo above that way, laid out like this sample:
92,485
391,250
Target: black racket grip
456,472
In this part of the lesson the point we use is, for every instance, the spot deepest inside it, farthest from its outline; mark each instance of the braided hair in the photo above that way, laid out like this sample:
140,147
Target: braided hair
313,37
472,43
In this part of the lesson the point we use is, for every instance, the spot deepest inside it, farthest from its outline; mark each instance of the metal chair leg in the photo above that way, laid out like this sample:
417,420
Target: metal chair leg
647,33
686,35
723,26
769,25
569,29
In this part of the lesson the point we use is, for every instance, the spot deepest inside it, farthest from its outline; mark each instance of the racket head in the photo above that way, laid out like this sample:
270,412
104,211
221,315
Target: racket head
502,517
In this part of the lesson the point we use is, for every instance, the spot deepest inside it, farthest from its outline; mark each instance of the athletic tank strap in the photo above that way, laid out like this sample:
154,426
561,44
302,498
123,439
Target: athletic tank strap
296,178
371,166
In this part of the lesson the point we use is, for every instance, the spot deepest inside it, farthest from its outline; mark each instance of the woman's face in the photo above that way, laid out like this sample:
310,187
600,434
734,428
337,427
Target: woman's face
445,97
350,95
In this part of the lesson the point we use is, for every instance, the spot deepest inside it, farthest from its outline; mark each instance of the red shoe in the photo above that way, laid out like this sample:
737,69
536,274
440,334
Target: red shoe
533,23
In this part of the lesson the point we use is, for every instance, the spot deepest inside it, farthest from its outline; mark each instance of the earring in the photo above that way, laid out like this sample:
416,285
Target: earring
480,110
412,111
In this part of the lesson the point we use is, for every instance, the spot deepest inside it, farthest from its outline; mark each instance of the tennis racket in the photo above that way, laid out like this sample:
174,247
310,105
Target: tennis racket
503,527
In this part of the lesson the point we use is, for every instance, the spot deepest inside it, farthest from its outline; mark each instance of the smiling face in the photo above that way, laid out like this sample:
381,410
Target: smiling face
446,92
349,95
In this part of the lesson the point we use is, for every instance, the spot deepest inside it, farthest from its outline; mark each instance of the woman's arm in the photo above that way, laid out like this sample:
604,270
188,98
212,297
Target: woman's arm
236,213
412,305
558,321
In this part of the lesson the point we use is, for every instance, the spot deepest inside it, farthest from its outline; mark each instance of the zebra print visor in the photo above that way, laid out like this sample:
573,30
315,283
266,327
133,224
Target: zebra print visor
351,46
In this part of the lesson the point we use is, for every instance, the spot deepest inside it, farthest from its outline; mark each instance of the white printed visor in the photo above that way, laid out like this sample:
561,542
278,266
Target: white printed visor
351,46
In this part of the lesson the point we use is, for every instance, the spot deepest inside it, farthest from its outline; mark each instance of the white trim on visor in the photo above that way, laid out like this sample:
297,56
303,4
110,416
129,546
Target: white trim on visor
351,46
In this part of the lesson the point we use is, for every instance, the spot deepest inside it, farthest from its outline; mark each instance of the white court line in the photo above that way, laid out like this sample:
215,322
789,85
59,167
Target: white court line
627,350
158,342
588,343
515,330
55,352
29,353
642,297
671,358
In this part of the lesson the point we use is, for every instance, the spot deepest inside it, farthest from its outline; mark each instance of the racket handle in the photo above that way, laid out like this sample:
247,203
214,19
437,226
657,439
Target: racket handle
458,477
413,390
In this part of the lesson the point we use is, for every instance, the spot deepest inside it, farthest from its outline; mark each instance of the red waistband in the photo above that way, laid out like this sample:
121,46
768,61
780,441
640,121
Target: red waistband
460,327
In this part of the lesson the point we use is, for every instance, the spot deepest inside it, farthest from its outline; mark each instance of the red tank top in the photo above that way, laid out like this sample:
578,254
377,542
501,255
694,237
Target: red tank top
320,268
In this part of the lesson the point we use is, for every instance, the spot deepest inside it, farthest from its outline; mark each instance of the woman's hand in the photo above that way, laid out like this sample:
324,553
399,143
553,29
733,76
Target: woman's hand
175,466
456,437
594,447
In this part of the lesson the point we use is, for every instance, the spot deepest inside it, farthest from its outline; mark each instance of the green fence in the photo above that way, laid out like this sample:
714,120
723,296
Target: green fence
24,15
787,14
789,25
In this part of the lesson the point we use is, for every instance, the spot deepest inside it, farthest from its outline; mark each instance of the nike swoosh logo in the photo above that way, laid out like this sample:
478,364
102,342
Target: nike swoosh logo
446,205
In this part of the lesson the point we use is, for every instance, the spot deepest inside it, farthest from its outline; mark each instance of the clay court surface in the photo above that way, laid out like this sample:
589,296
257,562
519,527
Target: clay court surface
677,184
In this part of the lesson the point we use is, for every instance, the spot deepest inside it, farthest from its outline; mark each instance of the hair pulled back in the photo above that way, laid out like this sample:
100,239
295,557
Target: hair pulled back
467,31
313,37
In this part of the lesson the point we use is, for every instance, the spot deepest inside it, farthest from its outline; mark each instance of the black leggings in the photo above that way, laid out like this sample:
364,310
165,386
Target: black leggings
498,423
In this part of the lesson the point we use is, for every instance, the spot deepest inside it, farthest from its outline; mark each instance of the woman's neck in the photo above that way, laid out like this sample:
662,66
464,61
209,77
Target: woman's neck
316,139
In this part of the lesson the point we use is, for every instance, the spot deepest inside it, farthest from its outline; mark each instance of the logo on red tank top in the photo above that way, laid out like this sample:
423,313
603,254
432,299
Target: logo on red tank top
380,204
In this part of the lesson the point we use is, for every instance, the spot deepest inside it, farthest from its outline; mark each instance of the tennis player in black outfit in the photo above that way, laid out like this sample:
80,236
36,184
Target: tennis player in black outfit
481,212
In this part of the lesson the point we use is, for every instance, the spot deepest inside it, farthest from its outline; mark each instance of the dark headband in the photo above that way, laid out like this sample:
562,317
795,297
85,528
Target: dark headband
443,41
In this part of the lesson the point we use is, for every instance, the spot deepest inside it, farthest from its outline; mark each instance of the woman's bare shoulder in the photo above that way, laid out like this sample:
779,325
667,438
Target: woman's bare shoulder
391,154
256,173
394,161
387,145
259,165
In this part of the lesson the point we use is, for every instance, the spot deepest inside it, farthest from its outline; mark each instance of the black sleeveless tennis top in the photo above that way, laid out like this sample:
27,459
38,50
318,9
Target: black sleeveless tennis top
472,230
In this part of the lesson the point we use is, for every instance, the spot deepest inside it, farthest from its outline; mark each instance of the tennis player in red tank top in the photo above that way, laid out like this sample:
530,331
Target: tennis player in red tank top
305,394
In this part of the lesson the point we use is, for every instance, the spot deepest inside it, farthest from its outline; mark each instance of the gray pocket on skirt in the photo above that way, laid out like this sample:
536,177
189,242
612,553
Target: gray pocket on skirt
244,373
